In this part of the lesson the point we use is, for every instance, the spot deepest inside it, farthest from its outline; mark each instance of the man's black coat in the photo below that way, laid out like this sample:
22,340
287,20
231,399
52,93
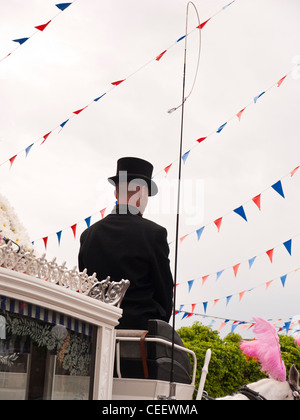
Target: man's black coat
127,246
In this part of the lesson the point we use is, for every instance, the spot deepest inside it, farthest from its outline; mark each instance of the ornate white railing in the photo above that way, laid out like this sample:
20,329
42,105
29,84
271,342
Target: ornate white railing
26,262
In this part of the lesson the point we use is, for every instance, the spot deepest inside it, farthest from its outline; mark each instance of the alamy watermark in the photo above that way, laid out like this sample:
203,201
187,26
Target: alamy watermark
165,202
191,200
296,71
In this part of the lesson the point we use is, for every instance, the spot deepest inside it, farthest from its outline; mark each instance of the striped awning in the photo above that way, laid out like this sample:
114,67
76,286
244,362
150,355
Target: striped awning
43,314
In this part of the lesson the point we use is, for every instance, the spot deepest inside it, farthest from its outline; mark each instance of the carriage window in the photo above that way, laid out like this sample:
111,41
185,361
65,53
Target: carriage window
49,358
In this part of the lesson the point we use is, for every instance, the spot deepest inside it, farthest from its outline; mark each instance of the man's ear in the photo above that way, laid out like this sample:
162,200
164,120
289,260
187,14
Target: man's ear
138,190
144,191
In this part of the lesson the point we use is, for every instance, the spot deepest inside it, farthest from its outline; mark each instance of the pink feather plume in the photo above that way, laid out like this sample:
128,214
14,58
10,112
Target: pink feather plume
297,340
266,349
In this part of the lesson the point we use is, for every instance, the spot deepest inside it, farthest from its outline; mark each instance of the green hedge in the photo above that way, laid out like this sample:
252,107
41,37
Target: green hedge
229,368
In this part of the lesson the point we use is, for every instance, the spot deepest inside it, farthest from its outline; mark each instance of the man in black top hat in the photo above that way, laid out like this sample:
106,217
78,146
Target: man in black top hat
124,245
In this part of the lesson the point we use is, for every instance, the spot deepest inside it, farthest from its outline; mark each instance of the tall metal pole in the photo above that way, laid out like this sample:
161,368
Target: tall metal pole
172,384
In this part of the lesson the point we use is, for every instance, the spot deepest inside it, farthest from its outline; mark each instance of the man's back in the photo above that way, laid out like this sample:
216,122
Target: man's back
127,246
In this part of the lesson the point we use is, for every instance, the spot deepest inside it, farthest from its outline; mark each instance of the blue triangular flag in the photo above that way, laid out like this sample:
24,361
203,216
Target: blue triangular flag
278,188
185,156
283,279
190,283
97,99
88,221
180,39
221,128
199,232
233,327
186,314
58,236
63,124
219,274
27,150
63,6
258,96
180,308
205,306
228,300
241,212
251,261
21,40
288,246
287,326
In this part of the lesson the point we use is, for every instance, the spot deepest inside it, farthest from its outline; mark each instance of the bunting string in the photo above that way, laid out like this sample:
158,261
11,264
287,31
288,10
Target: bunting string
235,268
239,211
73,227
63,6
221,127
113,85
39,28
243,325
166,169
241,294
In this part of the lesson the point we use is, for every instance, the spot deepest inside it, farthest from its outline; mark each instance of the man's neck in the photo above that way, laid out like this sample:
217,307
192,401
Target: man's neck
126,208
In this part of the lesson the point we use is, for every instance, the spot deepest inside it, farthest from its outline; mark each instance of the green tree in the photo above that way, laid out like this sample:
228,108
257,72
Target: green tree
229,368
289,351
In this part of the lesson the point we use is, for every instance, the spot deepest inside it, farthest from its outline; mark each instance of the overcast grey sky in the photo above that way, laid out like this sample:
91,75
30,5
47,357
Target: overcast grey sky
245,49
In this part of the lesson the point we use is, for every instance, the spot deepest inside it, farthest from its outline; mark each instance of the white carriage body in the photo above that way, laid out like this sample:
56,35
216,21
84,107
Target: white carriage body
83,307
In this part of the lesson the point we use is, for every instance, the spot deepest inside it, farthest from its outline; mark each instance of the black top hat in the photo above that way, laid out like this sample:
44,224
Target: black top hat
130,168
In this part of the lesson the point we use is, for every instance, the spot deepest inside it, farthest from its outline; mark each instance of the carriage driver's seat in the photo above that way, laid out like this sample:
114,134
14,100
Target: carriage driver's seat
148,354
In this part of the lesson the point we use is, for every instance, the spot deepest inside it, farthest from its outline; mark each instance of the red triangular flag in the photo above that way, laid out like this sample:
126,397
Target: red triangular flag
236,269
268,284
256,200
79,110
193,307
118,82
281,81
216,301
45,137
294,171
239,114
167,168
223,324
12,159
102,212
203,24
183,238
204,278
42,27
160,55
201,139
74,229
218,223
45,241
241,294
270,254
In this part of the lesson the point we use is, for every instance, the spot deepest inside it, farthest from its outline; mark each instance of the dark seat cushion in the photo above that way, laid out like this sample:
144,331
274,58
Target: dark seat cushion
158,356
